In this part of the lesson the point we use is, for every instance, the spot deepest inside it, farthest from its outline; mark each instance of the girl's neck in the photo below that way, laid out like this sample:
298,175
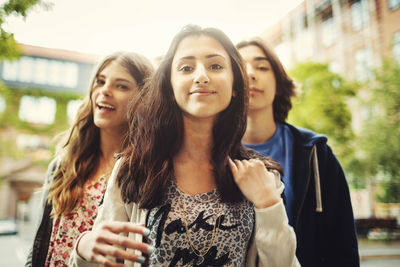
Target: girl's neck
261,127
197,141
110,144
192,164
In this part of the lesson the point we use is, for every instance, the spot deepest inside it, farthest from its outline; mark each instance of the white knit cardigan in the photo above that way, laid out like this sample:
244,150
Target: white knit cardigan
273,239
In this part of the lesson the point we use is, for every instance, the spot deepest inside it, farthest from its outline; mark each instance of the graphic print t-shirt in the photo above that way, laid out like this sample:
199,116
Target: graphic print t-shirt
168,232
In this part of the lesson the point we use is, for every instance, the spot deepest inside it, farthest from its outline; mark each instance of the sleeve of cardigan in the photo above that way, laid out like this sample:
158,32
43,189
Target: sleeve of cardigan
274,238
112,209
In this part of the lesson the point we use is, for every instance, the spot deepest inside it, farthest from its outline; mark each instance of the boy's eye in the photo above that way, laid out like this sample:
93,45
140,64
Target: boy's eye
263,68
185,68
216,67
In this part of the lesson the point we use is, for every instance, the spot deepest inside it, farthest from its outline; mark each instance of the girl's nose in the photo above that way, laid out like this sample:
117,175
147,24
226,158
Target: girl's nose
201,76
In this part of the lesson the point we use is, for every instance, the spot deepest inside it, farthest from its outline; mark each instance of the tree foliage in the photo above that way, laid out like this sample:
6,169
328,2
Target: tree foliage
380,138
8,46
321,105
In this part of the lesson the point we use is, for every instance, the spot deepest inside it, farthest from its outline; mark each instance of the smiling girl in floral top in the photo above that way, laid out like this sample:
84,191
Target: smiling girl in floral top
77,178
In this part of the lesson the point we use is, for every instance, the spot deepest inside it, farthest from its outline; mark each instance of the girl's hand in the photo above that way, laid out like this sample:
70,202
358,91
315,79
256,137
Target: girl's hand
257,184
105,241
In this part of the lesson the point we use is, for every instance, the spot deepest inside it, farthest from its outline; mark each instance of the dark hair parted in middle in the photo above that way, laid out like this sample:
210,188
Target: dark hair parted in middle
156,131
285,87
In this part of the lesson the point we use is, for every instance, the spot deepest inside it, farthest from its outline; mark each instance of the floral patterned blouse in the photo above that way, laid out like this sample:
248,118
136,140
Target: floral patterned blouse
66,229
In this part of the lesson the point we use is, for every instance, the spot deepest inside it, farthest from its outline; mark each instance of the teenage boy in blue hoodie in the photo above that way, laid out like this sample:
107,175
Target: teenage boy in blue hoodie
316,192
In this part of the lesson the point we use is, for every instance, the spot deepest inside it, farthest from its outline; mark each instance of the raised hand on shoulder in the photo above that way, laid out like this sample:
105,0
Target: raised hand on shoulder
257,184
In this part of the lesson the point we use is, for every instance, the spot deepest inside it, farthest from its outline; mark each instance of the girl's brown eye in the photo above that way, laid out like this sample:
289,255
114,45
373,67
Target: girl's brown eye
185,68
122,86
216,67
99,82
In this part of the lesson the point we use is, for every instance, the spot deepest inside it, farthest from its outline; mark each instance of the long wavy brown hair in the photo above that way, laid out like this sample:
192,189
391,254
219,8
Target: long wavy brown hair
156,131
285,87
79,148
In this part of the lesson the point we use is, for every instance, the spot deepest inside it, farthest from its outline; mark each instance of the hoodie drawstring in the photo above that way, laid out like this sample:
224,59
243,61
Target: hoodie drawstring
317,180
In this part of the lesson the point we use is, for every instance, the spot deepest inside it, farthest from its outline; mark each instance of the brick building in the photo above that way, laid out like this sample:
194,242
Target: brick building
352,35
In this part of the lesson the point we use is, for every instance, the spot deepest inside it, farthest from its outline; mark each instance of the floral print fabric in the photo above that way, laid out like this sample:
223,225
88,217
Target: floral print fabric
66,229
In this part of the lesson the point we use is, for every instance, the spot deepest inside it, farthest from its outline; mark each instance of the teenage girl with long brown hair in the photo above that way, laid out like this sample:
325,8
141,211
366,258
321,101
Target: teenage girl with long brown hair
77,178
186,192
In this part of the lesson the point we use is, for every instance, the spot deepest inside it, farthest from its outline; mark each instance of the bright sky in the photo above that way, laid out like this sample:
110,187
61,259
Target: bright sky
144,26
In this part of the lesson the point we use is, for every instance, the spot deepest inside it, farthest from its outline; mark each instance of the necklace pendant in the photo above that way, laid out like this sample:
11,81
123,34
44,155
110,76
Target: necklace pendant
200,259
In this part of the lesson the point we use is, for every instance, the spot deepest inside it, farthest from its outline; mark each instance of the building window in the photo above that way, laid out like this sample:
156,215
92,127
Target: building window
10,70
42,71
70,76
396,47
393,4
283,53
304,22
329,33
364,64
293,28
25,69
359,15
328,27
303,46
41,110
55,75
3,104
72,109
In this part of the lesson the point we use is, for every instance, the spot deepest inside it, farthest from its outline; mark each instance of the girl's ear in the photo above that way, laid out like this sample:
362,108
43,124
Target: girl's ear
233,93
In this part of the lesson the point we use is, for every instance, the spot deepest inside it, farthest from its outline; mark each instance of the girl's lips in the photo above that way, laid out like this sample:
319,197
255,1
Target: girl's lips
103,105
255,90
202,92
104,109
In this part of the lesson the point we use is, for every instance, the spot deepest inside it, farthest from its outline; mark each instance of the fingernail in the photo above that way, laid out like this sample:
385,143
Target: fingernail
146,231
150,249
141,259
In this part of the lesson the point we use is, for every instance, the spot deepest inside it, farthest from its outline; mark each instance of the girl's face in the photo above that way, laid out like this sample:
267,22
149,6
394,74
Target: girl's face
112,89
262,83
201,77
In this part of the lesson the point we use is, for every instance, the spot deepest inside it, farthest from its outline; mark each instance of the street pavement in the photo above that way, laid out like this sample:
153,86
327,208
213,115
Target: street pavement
379,253
14,248
13,251
373,254
380,263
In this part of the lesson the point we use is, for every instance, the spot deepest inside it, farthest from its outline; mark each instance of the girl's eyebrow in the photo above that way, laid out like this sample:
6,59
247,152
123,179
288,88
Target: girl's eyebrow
123,80
117,79
260,59
215,55
207,56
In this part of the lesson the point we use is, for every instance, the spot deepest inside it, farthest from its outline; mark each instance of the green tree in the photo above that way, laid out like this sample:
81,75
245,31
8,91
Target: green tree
380,138
321,105
8,46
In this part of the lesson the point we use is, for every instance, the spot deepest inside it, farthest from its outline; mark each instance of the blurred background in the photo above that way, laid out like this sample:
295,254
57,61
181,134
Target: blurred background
343,54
